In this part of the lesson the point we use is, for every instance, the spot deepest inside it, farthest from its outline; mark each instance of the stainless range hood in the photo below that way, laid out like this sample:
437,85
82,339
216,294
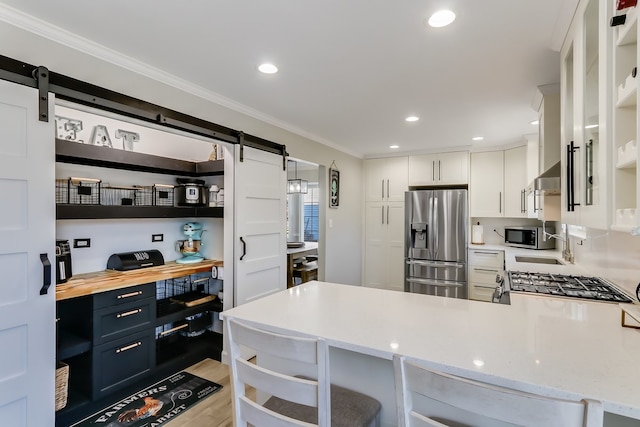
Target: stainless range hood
549,181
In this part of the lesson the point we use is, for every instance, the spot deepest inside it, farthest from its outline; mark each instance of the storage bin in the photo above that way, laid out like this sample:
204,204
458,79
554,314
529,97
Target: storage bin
78,191
118,196
62,385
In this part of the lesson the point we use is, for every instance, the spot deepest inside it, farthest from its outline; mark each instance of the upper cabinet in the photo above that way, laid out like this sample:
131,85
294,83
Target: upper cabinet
486,189
585,124
386,179
624,89
439,169
498,186
515,182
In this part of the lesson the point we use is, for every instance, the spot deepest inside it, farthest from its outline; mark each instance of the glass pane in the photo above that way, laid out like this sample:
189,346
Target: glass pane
591,102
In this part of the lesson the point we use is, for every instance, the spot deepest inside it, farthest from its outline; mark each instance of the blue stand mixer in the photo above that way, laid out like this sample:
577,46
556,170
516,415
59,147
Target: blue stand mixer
190,247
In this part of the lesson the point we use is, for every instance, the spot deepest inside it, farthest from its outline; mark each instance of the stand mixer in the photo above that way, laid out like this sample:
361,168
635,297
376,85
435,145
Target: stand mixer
190,248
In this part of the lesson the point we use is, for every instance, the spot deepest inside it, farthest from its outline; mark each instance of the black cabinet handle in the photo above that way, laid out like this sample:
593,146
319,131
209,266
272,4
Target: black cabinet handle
571,196
244,248
46,274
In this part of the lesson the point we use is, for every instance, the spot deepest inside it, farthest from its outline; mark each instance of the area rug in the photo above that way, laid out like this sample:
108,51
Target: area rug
155,405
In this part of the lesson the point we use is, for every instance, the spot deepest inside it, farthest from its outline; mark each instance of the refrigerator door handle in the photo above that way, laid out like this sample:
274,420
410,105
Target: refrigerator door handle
382,208
436,264
433,282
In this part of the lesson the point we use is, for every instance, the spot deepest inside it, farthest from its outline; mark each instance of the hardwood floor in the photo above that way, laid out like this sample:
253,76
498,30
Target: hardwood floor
214,411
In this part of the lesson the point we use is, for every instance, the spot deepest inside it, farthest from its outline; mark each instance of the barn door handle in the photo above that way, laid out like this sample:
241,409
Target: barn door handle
244,248
46,274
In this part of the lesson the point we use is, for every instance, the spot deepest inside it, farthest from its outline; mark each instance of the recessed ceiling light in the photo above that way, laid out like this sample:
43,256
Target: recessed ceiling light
535,122
441,18
477,138
268,68
412,119
394,146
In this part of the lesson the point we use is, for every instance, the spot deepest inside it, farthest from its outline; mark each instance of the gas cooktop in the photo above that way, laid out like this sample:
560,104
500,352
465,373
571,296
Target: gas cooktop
592,288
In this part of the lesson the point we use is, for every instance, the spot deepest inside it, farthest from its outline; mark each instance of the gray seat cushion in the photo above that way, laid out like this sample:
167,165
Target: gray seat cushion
348,408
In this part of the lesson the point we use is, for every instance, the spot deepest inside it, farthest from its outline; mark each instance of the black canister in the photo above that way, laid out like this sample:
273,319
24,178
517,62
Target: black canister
63,261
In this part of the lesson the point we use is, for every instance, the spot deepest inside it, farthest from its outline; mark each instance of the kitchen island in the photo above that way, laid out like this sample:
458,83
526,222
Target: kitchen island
555,347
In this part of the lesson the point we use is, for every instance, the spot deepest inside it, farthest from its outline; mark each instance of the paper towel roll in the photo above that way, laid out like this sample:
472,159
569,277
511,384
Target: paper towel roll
477,234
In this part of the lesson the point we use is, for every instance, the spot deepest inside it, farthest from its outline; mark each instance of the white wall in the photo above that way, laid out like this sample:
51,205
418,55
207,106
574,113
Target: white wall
342,249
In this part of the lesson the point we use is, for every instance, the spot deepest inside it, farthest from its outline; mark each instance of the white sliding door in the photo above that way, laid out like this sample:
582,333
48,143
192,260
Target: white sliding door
27,230
260,225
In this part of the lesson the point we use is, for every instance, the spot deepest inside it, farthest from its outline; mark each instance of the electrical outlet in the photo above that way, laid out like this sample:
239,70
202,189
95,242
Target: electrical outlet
81,243
157,237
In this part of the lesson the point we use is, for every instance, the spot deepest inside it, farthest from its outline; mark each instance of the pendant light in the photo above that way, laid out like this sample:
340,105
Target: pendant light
297,186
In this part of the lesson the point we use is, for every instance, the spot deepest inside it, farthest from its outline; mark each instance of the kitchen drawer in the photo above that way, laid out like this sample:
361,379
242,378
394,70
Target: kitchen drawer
124,295
486,258
121,320
122,362
481,293
484,275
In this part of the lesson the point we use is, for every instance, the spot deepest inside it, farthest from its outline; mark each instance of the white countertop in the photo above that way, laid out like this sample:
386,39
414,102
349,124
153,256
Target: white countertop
553,346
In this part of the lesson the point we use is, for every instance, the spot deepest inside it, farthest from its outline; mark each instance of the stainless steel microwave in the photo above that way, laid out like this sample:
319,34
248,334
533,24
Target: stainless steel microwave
528,237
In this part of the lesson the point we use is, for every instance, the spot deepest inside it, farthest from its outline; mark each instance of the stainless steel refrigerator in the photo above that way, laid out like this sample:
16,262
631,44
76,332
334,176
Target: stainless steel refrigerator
436,225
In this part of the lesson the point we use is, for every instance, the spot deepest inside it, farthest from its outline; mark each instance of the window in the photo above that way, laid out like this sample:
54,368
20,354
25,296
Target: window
311,213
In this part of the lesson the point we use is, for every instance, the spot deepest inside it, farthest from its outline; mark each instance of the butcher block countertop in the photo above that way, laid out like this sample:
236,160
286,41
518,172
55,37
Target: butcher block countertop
101,281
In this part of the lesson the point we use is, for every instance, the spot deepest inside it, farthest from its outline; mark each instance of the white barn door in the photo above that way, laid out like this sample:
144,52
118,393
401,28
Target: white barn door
27,230
260,225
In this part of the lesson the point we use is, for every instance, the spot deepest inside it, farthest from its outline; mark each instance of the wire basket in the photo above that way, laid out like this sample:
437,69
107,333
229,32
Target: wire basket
154,195
118,196
78,191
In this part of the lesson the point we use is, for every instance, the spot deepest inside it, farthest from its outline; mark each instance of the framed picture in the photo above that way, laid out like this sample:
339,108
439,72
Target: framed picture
334,188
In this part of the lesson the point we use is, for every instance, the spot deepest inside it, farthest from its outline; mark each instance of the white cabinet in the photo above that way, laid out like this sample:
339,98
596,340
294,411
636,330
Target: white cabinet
586,117
439,169
484,267
384,245
386,179
498,184
486,186
515,182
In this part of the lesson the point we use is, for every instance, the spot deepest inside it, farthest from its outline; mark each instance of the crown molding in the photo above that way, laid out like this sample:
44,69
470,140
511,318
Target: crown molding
66,38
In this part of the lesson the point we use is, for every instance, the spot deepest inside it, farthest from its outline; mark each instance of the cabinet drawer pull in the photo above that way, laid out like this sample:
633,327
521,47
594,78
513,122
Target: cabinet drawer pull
177,328
129,295
486,269
485,253
129,313
129,347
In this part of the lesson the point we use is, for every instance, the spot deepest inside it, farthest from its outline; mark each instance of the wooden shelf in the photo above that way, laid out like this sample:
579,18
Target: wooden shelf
92,155
107,280
68,211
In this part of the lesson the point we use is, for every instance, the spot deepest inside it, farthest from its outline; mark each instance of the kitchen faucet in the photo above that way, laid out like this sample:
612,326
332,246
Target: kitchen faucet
566,243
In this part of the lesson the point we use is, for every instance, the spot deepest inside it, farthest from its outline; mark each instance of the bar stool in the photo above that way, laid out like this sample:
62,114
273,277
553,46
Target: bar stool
296,401
462,401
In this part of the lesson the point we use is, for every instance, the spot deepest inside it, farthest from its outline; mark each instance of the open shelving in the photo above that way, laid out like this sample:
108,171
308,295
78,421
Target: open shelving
625,122
91,155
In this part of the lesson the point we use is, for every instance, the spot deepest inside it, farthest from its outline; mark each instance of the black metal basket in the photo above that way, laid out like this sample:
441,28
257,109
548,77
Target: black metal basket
78,191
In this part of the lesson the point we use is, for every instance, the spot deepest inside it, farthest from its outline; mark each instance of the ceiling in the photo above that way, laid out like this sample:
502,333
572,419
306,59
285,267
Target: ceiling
350,71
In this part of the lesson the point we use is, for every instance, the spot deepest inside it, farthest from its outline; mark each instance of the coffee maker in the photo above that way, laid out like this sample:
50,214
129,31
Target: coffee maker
63,261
